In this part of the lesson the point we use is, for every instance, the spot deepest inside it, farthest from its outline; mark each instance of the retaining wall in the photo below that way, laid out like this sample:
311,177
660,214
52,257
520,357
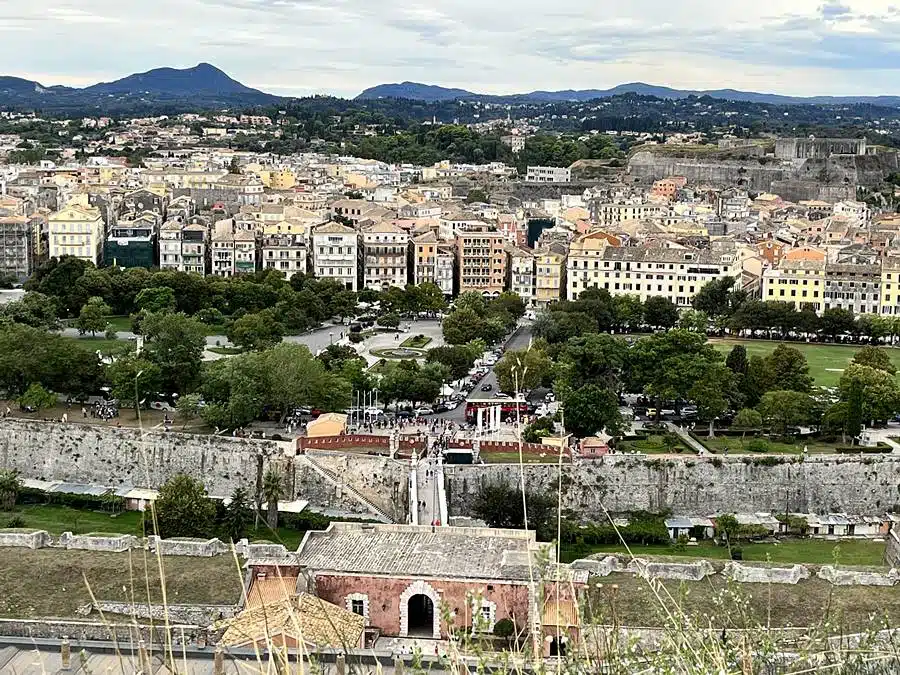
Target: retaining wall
749,574
195,615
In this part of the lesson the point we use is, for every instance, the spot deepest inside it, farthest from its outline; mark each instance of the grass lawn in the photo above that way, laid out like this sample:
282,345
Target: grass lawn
654,445
55,583
101,344
717,603
826,362
120,324
416,341
737,446
226,351
513,458
857,552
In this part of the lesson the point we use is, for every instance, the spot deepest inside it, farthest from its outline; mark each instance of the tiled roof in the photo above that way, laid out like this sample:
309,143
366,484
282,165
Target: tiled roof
266,590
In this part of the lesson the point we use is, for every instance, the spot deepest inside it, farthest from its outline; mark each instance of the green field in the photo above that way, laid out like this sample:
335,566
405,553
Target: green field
856,552
826,362
102,345
738,446
654,445
513,458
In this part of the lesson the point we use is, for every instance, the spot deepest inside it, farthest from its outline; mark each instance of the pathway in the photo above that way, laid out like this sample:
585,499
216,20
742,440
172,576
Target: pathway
689,440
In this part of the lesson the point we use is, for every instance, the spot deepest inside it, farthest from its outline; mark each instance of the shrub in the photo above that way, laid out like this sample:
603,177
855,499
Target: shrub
737,553
356,338
505,628
16,521
758,445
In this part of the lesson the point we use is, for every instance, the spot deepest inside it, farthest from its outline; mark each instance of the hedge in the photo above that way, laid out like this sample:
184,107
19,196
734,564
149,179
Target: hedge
858,449
76,501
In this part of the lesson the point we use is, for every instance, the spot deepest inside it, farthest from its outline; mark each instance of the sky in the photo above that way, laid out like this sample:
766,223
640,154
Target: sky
340,47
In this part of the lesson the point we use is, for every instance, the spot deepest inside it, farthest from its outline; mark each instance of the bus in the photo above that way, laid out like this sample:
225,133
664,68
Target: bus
508,407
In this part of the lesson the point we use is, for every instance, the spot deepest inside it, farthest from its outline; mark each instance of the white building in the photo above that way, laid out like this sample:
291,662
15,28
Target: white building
386,256
434,262
76,230
233,250
521,273
183,248
335,250
857,212
548,174
285,253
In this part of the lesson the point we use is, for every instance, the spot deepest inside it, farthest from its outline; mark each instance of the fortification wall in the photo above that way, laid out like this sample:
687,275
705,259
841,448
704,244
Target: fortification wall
823,484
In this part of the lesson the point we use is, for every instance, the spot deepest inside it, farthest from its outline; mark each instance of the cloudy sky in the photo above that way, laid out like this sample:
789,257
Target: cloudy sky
298,47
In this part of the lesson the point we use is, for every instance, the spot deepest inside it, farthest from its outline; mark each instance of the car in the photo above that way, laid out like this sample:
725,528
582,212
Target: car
503,395
651,412
549,397
442,408
487,387
373,412
424,411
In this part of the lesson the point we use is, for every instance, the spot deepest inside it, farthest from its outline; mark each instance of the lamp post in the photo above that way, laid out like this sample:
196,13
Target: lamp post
330,337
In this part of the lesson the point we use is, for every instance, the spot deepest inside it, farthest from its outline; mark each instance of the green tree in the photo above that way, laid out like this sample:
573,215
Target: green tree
428,297
527,368
727,528
343,304
855,406
10,487
133,378
35,310
510,303
391,320
501,505
592,409
290,376
875,357
747,418
592,359
238,515
273,490
476,195
459,359
718,298
694,320
157,299
37,398
737,360
234,167
183,509
92,318
256,331
628,311
788,369
880,393
463,326
175,343
781,410
712,393
757,381
189,408
836,322
660,312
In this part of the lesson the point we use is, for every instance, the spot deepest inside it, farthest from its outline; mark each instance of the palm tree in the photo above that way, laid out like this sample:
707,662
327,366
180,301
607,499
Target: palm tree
272,489
10,484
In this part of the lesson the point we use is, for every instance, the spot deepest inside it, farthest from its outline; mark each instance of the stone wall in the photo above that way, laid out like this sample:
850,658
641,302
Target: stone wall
892,549
99,543
78,631
194,615
751,574
839,577
24,538
620,483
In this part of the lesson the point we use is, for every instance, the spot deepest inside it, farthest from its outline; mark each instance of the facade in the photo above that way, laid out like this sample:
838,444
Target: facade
548,174
549,275
610,214
521,281
890,286
77,231
584,261
818,148
386,256
798,279
285,253
335,250
673,273
184,248
481,262
16,246
132,243
233,250
855,287
434,261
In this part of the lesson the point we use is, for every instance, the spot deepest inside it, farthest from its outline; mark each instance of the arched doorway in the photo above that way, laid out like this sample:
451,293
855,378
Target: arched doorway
421,616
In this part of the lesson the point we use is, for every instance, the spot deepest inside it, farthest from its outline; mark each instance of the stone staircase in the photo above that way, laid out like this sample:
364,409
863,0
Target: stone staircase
345,488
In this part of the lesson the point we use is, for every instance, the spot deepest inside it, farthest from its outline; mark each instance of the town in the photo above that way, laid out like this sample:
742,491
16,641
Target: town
479,410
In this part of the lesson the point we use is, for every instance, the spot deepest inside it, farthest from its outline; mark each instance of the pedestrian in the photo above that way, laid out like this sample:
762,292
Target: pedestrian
84,412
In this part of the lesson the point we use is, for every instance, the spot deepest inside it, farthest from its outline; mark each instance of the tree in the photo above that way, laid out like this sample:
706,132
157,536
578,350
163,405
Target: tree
592,359
289,377
712,393
660,312
237,516
737,360
272,488
133,378
591,409
628,311
727,528
37,398
837,321
92,318
429,298
343,304
256,331
500,505
855,405
527,368
757,381
694,320
391,320
10,487
718,298
463,326
157,299
788,369
234,167
175,343
35,310
476,195
510,303
747,418
183,509
880,392
459,359
189,408
784,409
875,357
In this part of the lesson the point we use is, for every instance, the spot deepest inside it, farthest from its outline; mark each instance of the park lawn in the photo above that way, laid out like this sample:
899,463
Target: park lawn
102,345
120,324
718,603
654,445
226,351
55,583
513,458
855,552
737,446
826,362
416,341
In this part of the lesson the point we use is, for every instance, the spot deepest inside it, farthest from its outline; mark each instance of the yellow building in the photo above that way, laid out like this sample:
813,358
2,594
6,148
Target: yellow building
276,179
890,286
550,276
798,279
77,230
583,264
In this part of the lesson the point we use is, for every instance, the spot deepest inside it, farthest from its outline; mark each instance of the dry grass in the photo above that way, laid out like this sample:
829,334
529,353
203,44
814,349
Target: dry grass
51,583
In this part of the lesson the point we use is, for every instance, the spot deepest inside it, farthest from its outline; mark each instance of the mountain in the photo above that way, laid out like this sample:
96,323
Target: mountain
161,90
415,91
431,93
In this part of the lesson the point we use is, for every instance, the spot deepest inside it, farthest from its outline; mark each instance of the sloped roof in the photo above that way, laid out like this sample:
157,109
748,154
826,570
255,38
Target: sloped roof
334,228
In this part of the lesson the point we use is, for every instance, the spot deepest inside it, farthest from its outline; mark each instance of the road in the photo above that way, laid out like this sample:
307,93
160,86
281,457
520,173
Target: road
429,509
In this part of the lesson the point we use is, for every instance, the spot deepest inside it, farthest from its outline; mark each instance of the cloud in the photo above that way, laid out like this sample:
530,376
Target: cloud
504,46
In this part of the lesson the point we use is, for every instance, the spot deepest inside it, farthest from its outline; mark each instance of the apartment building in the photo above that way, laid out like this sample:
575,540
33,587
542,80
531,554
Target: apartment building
481,262
549,275
434,261
132,243
233,249
76,230
16,246
854,287
584,261
286,253
798,279
548,174
184,248
673,273
604,214
335,250
520,265
357,210
386,256
890,286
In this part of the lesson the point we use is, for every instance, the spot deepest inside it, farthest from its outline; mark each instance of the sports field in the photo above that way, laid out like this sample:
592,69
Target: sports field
826,362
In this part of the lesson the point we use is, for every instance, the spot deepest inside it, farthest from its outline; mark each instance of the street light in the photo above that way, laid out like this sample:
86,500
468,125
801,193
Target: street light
330,337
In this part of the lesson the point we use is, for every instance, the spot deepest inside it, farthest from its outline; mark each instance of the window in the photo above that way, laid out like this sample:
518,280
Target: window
357,607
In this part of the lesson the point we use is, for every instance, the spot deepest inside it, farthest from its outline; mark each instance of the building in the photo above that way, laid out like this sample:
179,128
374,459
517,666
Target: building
233,249
78,231
515,142
386,256
798,279
434,261
481,261
584,261
356,210
520,263
818,148
854,287
16,246
400,576
132,243
285,253
549,275
605,215
548,174
335,251
646,272
858,213
184,248
668,188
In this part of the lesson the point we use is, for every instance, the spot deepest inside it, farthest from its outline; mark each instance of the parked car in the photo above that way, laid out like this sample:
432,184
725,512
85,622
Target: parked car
487,387
502,395
424,411
549,397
